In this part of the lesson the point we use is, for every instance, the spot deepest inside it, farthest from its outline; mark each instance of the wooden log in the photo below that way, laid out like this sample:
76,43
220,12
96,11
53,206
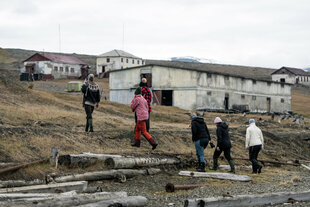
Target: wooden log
105,175
79,186
130,201
249,200
64,200
269,161
83,160
10,169
19,183
305,166
222,176
132,162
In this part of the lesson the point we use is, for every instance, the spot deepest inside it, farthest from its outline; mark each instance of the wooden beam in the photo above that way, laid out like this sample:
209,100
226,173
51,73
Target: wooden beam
222,176
249,200
19,183
10,169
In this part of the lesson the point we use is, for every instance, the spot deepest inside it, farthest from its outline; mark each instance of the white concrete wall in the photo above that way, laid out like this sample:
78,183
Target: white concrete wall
304,80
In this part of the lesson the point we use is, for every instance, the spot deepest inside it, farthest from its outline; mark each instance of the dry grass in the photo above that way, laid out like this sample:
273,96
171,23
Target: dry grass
301,101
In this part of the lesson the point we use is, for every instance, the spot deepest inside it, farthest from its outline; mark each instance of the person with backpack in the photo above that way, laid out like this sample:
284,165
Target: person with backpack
140,106
201,138
223,144
91,98
146,93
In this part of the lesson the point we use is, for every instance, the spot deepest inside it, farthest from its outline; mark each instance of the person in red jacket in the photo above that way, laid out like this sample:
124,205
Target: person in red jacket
140,106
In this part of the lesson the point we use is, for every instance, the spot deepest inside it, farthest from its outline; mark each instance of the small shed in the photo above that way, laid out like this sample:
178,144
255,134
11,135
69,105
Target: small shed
74,86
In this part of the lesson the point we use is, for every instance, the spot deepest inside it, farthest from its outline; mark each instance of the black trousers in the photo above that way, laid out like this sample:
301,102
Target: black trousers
217,154
147,122
253,154
89,111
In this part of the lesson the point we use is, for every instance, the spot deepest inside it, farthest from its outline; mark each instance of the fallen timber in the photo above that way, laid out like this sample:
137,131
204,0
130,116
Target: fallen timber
83,160
106,175
132,162
64,199
79,186
19,183
10,169
269,161
249,200
130,201
222,176
171,187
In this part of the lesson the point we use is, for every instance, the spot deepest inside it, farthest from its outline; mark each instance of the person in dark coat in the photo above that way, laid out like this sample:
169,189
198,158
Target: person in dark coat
91,98
223,144
201,138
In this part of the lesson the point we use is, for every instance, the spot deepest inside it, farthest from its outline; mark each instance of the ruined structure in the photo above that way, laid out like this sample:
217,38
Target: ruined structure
203,86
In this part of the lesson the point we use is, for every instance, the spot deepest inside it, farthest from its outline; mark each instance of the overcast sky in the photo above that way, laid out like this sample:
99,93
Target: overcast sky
264,33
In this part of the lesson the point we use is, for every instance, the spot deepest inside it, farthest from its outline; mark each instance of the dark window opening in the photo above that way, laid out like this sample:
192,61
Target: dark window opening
209,75
126,60
282,80
209,93
133,61
166,98
226,103
254,81
103,69
67,69
56,68
122,60
282,100
138,62
242,96
61,69
108,60
72,70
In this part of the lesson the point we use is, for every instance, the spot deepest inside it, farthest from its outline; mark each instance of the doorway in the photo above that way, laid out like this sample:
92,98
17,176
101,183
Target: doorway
166,98
268,104
226,101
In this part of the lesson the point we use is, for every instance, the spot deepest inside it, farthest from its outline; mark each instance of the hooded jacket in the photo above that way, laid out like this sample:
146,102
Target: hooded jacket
199,129
254,136
140,106
223,139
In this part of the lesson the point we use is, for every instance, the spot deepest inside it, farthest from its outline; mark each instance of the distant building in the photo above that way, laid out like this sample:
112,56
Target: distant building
43,66
115,60
203,86
291,75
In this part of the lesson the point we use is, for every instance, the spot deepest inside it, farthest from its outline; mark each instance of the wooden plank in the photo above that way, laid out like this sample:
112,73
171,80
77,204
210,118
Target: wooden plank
130,201
19,183
79,186
222,176
249,200
132,162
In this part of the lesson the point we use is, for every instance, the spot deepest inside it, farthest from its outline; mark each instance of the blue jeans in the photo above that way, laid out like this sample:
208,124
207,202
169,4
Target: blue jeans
199,151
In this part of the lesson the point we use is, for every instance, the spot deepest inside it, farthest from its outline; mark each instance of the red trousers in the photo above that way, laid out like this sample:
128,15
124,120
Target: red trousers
141,128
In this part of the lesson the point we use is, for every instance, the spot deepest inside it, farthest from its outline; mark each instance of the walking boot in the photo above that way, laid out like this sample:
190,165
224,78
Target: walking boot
136,143
90,122
215,165
87,126
153,143
232,166
202,167
259,170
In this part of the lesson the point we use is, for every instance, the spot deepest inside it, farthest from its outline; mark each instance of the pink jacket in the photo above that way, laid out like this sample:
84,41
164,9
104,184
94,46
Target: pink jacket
140,106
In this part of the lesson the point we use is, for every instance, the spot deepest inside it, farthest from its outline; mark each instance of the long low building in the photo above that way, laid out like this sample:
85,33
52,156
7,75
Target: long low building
203,86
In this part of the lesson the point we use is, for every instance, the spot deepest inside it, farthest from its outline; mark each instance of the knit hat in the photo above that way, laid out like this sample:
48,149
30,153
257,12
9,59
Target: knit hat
193,116
138,91
251,121
144,80
217,120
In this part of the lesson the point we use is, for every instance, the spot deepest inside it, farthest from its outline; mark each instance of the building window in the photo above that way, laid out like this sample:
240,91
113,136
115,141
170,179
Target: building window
209,93
253,98
108,60
133,61
254,81
142,62
138,62
209,75
226,77
72,70
282,100
242,96
127,60
61,69
122,59
67,69
55,68
282,80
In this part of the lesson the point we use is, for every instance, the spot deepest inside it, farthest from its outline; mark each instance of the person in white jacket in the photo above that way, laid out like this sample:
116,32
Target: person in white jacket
254,143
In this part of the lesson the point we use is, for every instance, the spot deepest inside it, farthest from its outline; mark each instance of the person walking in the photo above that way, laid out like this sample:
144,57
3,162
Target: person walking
201,138
223,144
146,93
254,143
91,98
140,106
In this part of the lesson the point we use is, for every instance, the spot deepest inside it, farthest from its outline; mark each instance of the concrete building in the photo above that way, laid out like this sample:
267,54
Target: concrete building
42,66
203,86
116,59
291,75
